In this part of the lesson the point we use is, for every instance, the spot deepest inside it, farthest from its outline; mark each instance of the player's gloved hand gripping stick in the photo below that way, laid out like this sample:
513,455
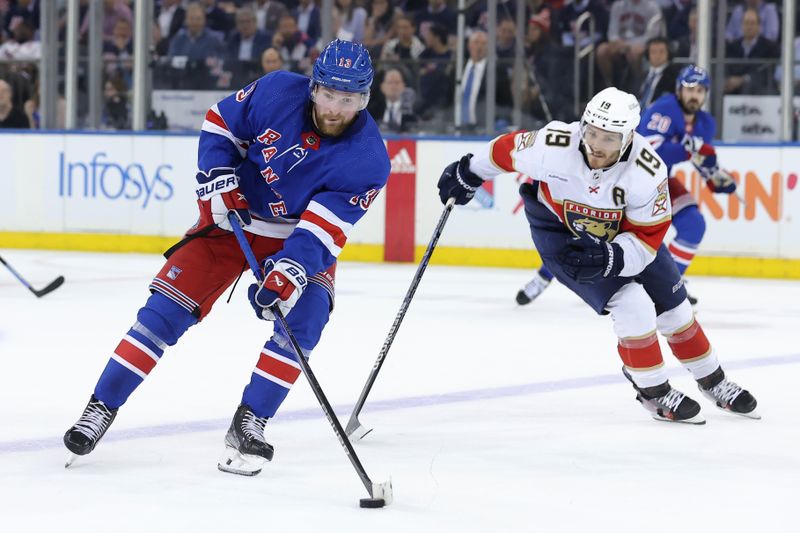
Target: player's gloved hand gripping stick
380,493
354,428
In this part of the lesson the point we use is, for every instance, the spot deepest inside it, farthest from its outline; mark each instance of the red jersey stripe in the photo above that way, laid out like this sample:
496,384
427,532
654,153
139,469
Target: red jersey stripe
652,236
135,356
501,149
214,118
279,369
549,199
336,233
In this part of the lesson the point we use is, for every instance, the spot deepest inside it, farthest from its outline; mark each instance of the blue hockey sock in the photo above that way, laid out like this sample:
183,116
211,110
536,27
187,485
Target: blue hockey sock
273,376
690,226
160,323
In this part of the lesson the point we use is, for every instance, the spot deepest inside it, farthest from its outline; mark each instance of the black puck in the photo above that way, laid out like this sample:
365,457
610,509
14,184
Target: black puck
371,503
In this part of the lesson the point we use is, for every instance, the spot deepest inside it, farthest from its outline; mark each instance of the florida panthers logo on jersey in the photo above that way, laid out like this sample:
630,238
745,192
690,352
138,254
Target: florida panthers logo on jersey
600,223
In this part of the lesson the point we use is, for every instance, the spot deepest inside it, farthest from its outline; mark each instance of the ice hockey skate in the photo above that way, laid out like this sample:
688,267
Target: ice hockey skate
727,395
246,451
532,289
667,404
81,438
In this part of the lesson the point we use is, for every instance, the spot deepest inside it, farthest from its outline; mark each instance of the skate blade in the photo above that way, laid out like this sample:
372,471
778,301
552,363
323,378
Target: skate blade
696,420
233,462
752,414
70,460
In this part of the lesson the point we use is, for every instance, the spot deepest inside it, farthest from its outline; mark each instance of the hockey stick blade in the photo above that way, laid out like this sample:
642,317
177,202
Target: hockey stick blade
355,430
56,283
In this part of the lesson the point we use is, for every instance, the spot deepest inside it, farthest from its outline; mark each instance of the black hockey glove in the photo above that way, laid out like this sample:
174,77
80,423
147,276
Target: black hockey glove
458,182
587,261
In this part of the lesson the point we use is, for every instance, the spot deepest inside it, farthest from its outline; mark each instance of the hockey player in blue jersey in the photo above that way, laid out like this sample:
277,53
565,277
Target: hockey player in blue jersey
299,161
680,130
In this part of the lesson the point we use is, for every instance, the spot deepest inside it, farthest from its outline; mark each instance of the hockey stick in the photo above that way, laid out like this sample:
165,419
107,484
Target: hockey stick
53,285
380,493
355,430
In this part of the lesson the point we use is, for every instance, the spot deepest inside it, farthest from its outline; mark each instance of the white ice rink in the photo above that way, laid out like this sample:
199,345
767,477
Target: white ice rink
488,417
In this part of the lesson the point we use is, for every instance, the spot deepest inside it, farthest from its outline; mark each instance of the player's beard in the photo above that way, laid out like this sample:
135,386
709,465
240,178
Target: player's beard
331,124
692,106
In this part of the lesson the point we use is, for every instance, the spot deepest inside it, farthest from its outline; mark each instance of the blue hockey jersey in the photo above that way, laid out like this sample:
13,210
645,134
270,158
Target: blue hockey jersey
664,127
300,186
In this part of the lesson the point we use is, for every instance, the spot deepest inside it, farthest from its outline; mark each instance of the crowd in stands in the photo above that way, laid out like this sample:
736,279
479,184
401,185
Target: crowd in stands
225,44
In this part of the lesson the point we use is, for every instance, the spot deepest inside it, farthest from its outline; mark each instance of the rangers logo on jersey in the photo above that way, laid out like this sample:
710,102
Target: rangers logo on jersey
600,223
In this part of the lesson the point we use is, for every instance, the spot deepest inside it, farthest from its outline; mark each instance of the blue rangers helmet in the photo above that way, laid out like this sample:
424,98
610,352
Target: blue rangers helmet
692,75
344,66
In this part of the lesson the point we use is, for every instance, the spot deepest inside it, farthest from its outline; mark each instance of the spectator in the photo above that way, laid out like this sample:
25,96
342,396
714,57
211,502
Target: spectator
118,52
217,20
631,24
406,45
22,10
10,115
436,77
380,25
436,12
195,42
506,40
308,19
115,105
548,87
247,43
170,18
767,13
472,90
396,112
661,74
294,46
687,45
269,14
21,46
750,78
351,21
478,17
676,16
113,10
569,16
271,61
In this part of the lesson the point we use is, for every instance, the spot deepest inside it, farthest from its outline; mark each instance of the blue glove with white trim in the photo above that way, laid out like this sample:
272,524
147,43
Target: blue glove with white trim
284,282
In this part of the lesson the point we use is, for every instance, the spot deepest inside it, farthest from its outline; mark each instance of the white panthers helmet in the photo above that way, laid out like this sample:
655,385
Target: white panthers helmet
613,110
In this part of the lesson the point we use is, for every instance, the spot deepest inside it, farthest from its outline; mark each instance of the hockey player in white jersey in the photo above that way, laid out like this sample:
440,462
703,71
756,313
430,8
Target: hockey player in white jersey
598,210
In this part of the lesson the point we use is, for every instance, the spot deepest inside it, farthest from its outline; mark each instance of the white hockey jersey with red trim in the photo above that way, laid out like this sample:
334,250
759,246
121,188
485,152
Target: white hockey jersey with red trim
627,203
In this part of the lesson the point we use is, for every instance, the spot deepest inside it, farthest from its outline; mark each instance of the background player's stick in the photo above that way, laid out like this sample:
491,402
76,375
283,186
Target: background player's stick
354,428
53,285
380,493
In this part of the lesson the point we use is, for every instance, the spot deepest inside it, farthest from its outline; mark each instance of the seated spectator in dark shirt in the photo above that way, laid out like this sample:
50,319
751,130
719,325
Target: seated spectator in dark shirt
478,14
118,51
506,41
195,42
27,10
750,78
170,17
269,14
686,46
10,116
247,42
380,25
115,106
308,19
548,85
216,19
436,73
437,12
395,111
271,61
661,74
21,46
676,17
294,46
406,45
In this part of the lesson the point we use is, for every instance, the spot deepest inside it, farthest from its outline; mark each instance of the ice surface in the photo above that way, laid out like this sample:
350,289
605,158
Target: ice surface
487,416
